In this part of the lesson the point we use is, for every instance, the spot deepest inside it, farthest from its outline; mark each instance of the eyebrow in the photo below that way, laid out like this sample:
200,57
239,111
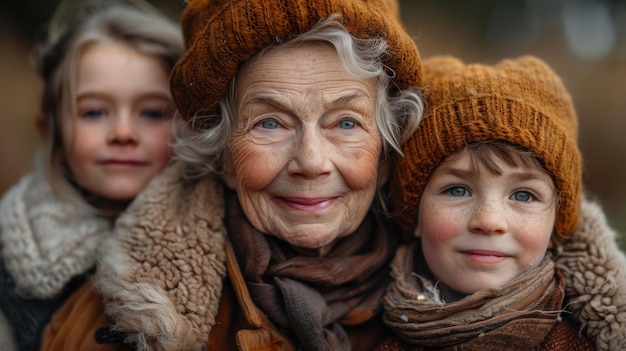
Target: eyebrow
98,95
522,175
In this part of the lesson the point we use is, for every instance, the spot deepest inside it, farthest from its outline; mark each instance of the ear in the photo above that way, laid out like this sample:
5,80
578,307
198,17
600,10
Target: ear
228,172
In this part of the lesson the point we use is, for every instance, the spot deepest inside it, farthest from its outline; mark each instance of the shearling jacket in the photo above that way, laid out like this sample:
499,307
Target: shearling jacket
162,275
48,247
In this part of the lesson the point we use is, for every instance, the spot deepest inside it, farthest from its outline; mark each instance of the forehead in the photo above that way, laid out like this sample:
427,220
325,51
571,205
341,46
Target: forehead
117,65
474,162
304,72
304,54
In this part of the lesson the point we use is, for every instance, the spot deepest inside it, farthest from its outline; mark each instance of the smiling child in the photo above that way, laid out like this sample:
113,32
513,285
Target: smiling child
491,189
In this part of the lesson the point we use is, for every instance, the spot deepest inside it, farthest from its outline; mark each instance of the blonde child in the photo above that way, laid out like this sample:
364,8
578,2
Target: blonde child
491,188
106,127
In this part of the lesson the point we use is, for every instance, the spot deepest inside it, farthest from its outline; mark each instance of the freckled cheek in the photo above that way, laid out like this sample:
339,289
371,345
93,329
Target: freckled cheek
437,226
438,230
537,240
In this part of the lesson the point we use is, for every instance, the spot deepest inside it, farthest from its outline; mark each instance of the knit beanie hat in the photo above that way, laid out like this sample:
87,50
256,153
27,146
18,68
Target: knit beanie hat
520,101
221,35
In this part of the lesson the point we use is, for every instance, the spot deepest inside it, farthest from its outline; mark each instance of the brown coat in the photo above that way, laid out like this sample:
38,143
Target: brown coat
161,278
564,336
239,324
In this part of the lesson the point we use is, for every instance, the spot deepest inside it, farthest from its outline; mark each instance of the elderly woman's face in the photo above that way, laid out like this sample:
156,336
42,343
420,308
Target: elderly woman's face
306,151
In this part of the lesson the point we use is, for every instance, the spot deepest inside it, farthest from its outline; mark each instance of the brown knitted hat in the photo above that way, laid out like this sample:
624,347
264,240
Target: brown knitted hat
520,101
221,35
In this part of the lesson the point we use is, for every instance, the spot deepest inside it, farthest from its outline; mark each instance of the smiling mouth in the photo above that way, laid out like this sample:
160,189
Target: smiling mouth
123,163
485,257
308,204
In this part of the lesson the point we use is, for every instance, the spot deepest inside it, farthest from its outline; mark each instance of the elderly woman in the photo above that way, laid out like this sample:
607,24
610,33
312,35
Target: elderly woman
264,235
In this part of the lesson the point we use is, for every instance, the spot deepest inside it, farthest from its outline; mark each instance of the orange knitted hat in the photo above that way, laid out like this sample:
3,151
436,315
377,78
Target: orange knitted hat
519,101
221,35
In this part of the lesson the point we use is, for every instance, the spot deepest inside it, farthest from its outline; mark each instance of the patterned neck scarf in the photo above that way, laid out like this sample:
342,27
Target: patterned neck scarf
310,298
517,316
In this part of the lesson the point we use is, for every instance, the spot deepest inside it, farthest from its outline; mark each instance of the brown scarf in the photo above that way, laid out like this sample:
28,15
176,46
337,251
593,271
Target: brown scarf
517,316
310,298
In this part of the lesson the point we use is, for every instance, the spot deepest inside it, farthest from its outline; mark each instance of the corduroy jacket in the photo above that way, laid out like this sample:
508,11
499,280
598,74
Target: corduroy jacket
162,278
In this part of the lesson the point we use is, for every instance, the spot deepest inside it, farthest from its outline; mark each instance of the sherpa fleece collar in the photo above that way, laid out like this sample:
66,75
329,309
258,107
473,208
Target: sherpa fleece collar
594,269
161,274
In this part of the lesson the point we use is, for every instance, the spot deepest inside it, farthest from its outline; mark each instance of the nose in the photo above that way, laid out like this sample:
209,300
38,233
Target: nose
488,218
311,155
123,129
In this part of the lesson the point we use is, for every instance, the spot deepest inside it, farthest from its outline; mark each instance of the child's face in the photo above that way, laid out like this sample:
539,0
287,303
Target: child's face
119,137
480,230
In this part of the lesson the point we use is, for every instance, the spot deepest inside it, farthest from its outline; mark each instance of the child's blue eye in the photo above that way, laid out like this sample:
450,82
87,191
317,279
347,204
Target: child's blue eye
457,191
93,114
523,196
347,124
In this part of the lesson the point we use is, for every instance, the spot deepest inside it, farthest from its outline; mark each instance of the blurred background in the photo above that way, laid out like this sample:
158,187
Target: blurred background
583,40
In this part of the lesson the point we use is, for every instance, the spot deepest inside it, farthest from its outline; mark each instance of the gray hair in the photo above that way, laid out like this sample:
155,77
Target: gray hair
398,112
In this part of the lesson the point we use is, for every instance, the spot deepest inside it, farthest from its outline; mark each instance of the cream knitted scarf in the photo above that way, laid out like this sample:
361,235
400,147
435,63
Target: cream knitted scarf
46,241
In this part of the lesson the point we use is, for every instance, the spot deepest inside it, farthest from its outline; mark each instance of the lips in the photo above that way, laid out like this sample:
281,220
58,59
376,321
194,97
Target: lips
308,204
123,163
484,256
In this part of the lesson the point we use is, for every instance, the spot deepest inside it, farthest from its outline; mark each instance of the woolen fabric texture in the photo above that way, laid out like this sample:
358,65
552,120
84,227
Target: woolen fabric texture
564,336
594,268
310,298
520,101
222,35
518,316
161,273
49,246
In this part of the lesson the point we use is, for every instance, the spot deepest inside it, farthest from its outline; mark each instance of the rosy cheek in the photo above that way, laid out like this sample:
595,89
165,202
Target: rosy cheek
363,179
362,171
254,170
254,178
436,225
435,231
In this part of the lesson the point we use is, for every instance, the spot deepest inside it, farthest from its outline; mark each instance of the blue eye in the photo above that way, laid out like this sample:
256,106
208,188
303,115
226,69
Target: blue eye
523,196
269,124
457,191
347,124
93,114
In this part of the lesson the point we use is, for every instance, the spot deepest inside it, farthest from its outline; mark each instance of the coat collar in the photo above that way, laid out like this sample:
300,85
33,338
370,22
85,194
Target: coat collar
161,273
594,269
